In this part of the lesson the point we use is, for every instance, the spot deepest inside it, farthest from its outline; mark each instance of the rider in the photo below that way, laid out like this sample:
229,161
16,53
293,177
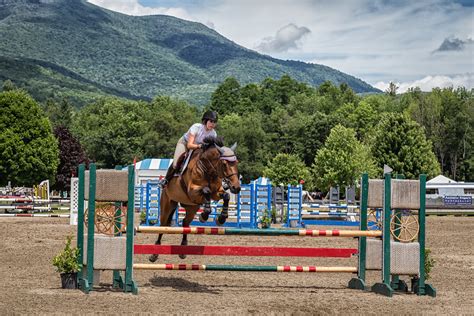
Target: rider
192,139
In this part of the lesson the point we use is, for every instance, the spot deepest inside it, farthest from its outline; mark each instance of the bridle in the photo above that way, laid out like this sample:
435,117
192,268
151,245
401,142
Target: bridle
212,170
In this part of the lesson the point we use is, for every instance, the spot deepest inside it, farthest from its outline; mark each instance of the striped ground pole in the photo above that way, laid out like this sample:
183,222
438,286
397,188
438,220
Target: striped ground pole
250,231
248,268
35,215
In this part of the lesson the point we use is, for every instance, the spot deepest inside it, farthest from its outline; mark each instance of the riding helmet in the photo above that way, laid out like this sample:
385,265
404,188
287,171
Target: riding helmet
209,115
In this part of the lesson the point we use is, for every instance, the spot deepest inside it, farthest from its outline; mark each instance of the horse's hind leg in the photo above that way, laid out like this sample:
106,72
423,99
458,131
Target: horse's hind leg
167,209
220,220
190,212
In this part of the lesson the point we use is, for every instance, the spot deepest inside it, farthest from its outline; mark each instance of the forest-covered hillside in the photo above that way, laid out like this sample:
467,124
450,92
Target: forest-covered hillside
82,50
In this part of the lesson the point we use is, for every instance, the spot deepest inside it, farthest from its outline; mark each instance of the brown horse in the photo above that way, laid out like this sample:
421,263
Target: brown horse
202,181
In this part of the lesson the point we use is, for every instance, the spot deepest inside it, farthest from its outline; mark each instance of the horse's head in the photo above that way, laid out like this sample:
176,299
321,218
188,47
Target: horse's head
228,169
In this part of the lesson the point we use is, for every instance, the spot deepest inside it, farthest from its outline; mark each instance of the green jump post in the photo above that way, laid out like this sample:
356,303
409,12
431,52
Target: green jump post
90,225
422,288
130,285
86,279
81,280
117,278
359,282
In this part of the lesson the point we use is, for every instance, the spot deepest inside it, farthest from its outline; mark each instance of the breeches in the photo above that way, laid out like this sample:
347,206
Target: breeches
179,150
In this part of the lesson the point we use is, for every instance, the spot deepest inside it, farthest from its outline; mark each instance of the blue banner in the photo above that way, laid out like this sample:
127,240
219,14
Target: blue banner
457,200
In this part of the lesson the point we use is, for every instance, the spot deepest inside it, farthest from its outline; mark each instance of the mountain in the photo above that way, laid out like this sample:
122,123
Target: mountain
76,48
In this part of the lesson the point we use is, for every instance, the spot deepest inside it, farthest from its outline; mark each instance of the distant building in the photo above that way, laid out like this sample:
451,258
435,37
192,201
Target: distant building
151,169
444,192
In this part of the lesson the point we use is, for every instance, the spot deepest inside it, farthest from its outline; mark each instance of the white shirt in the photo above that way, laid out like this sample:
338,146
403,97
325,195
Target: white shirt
200,132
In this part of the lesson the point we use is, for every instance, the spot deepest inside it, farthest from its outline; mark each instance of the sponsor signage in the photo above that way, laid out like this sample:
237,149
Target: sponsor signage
457,200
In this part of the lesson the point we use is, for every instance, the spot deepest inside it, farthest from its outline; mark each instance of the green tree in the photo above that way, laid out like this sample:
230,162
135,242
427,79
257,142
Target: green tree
305,134
60,114
226,97
306,104
287,169
8,85
400,143
112,130
253,147
342,160
332,97
249,97
28,149
381,103
284,88
170,119
392,89
361,117
457,121
447,116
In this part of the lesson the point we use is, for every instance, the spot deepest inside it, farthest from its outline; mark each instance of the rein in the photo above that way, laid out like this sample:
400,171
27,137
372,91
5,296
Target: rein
210,171
205,170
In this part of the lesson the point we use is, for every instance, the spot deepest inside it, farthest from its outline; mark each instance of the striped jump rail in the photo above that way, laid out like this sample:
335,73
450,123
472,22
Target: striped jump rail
245,251
251,231
35,215
23,207
248,268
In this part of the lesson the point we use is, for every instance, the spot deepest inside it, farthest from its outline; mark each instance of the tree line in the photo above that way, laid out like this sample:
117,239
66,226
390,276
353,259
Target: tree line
286,130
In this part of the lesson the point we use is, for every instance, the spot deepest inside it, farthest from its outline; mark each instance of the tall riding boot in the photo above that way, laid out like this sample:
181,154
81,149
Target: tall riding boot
168,177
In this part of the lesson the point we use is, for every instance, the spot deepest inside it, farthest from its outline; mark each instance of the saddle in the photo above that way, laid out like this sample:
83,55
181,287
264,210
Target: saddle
183,162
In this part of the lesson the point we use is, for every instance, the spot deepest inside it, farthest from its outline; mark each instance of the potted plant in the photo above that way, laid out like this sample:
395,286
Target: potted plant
66,264
265,220
142,217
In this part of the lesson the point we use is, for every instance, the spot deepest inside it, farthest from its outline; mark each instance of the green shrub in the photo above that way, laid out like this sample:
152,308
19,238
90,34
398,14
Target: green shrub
66,260
429,263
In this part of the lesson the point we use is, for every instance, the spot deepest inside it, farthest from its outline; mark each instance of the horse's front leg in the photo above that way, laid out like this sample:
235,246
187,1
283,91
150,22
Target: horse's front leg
220,220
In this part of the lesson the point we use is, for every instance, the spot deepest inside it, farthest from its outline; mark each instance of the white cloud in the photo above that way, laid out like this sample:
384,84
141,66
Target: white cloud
210,25
375,40
430,82
454,44
285,39
132,7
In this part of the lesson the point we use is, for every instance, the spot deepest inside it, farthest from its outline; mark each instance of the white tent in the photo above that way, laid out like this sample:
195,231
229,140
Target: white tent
151,169
440,180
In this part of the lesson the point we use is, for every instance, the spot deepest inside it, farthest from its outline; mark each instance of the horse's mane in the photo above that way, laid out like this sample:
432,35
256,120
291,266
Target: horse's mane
209,141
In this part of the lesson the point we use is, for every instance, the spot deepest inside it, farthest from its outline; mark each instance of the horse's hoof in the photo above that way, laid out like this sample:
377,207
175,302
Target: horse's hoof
182,256
221,220
203,217
153,258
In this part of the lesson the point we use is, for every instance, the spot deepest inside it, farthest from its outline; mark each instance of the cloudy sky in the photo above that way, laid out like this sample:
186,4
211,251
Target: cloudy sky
427,43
